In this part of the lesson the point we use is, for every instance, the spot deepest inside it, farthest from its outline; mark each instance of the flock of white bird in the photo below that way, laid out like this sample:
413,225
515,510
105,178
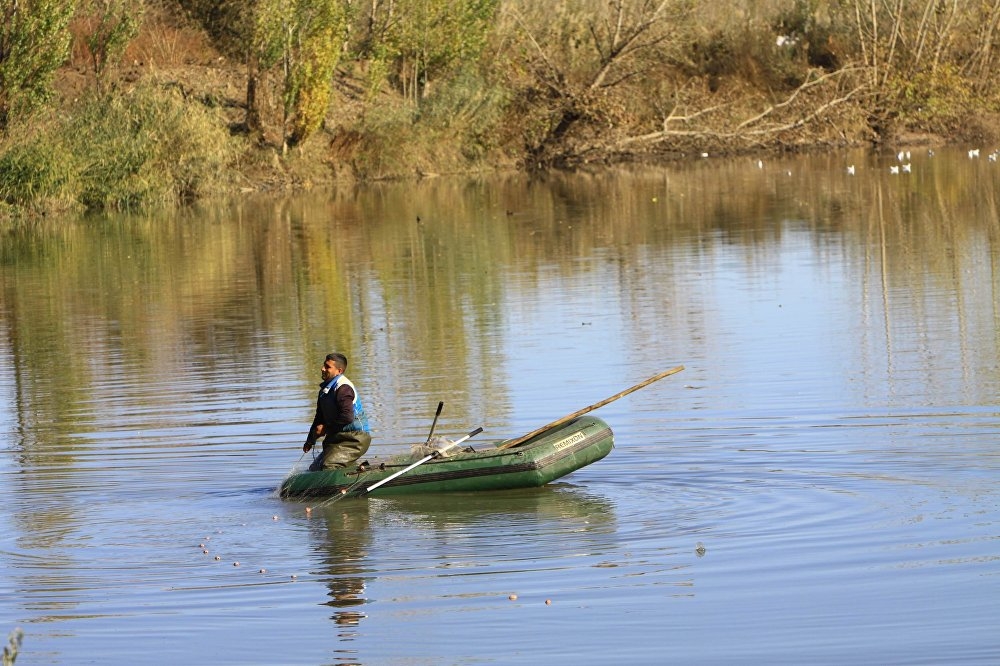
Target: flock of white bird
905,166
903,157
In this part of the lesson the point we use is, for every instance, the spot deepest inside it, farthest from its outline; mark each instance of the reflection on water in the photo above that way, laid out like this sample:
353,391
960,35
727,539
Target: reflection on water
278,282
831,444
555,502
438,541
272,283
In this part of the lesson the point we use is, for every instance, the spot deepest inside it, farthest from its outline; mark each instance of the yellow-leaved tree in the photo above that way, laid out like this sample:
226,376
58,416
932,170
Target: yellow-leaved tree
304,39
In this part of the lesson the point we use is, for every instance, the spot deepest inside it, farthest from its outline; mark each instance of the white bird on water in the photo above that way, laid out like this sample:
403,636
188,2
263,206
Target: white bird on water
906,168
894,169
850,170
973,153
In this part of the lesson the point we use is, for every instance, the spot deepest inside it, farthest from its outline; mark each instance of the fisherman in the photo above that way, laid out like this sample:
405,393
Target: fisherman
340,418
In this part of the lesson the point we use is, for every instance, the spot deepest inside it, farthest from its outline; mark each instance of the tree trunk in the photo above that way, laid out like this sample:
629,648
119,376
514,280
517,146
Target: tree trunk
253,122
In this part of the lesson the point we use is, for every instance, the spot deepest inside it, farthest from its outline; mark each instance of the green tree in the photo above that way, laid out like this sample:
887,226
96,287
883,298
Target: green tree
113,24
34,42
306,39
418,41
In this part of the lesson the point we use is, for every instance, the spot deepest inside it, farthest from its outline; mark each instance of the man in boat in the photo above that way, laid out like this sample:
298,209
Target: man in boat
340,418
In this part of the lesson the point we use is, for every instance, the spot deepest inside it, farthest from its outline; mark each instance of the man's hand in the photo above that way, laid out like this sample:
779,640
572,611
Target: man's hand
314,434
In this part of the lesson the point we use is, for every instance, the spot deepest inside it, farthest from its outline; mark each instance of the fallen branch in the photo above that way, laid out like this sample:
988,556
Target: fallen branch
742,130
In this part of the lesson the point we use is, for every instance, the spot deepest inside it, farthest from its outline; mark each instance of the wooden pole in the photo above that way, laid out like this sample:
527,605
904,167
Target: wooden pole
570,417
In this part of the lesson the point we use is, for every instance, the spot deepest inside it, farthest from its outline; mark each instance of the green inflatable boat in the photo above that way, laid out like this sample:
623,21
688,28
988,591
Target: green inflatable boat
523,463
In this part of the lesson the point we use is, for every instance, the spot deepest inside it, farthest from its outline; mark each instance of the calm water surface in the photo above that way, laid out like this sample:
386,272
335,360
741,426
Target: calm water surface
820,485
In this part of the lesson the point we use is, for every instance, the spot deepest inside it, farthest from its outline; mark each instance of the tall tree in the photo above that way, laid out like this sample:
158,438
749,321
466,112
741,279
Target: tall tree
419,40
112,25
305,38
34,42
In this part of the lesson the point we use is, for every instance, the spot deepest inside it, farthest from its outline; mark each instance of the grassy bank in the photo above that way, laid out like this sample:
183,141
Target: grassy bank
190,104
137,148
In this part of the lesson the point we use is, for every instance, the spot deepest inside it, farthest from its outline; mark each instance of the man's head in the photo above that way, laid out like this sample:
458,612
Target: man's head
334,364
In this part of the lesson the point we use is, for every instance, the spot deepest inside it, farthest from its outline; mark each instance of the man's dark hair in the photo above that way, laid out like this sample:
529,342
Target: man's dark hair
338,359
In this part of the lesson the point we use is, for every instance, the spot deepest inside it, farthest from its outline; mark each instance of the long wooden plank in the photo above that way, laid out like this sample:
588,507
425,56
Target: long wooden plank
570,417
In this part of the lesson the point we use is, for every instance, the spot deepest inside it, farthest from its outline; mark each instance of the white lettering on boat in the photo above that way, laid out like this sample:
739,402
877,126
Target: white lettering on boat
575,438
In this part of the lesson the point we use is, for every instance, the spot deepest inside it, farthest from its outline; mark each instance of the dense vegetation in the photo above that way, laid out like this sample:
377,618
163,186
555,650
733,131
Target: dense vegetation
129,103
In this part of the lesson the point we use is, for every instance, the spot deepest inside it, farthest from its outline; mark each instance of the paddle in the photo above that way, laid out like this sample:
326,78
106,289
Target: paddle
435,422
570,417
439,452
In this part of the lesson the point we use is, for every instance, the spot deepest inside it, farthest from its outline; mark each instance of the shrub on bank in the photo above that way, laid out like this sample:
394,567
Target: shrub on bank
37,173
146,147
453,129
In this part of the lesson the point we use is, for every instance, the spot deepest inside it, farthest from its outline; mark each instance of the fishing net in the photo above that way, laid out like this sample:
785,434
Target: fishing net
439,445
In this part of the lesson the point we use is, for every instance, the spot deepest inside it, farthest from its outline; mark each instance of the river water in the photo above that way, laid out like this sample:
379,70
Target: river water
819,485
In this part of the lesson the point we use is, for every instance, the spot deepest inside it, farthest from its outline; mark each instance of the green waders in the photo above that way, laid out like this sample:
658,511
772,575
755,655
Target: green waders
341,449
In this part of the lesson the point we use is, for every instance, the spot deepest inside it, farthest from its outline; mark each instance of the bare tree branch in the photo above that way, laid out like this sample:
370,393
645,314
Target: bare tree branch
743,130
554,75
621,46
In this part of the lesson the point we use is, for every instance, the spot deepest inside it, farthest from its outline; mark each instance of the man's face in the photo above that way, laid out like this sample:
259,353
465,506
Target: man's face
329,370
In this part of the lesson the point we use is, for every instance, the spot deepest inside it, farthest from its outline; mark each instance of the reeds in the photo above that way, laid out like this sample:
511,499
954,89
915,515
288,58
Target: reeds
147,147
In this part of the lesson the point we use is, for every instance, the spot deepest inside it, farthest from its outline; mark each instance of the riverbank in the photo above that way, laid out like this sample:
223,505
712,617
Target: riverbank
192,113
341,153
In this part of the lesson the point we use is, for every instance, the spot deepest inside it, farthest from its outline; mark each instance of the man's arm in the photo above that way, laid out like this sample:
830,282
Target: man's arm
315,431
343,415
